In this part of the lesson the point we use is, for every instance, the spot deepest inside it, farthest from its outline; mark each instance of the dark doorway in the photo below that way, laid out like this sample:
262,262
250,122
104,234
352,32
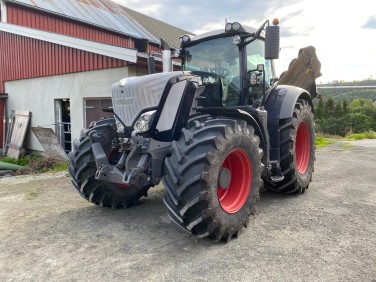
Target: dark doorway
63,123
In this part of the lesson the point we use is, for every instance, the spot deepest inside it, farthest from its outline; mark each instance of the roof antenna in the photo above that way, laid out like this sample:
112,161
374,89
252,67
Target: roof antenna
225,20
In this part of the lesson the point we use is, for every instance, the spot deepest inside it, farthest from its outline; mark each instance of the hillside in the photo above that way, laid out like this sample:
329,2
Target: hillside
348,94
342,93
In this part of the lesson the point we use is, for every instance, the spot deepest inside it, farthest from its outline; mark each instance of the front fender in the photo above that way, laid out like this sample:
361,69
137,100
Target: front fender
239,113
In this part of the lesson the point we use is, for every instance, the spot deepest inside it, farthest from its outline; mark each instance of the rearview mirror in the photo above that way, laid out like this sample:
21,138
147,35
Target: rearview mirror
272,42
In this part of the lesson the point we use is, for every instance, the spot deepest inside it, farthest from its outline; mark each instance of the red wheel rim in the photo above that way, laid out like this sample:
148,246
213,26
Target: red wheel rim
235,195
303,147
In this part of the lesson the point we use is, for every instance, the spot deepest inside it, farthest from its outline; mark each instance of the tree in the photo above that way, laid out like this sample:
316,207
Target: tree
319,111
345,107
337,111
329,107
360,122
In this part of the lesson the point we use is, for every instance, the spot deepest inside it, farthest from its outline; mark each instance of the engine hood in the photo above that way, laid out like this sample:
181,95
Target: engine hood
133,95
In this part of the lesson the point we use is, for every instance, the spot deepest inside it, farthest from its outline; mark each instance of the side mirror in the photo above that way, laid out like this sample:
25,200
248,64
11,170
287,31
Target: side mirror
260,67
272,42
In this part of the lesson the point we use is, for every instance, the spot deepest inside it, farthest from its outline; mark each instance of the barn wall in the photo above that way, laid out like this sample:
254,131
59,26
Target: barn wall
22,57
38,94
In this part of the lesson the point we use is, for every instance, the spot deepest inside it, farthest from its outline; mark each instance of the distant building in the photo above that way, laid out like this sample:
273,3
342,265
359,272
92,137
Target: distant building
59,58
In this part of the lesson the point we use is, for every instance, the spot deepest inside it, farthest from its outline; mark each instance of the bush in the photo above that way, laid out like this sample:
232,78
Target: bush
359,136
321,141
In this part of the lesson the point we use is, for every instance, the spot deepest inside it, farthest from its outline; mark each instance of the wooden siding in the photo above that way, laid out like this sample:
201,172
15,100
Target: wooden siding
22,57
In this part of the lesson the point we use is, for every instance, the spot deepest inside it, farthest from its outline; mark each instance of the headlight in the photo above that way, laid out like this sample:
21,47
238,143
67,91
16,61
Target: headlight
236,26
228,26
236,40
184,39
144,121
119,126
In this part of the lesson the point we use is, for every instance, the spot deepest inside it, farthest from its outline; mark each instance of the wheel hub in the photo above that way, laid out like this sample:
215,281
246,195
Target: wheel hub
224,178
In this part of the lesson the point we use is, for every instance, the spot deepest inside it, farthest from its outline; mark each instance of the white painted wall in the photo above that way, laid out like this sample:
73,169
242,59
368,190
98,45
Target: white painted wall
38,94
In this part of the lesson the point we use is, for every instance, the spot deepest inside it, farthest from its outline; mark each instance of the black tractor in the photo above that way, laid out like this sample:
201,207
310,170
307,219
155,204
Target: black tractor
214,133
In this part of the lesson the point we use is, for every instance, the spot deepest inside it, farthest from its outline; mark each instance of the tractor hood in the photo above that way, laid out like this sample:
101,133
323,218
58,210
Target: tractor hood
133,95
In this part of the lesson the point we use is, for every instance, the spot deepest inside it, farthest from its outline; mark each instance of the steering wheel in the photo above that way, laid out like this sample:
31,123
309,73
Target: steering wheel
222,72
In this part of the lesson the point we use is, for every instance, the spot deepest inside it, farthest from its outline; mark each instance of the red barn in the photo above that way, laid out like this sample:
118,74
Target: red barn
59,58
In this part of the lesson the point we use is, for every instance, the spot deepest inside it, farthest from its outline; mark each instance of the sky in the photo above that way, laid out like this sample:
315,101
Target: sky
343,31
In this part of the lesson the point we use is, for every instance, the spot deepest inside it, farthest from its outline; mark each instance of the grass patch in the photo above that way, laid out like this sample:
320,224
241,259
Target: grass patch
60,166
33,194
322,141
22,161
346,146
360,136
43,164
36,164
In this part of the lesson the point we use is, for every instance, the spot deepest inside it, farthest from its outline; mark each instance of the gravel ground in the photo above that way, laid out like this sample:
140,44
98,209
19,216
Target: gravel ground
49,233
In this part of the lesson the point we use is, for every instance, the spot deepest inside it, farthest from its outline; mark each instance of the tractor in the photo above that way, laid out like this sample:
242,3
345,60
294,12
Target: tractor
214,133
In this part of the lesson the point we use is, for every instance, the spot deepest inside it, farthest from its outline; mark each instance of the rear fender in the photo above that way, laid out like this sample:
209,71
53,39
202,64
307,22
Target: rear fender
281,101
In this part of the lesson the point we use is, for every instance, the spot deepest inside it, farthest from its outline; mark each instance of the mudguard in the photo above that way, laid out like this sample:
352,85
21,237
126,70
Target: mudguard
281,100
258,120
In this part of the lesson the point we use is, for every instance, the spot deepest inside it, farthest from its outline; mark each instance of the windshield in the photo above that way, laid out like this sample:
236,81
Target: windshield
219,56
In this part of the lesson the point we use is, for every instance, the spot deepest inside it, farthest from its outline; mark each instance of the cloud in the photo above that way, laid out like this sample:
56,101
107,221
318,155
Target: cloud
292,15
209,14
302,22
370,23
288,31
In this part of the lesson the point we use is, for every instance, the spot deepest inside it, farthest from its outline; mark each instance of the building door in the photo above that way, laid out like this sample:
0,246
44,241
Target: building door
94,109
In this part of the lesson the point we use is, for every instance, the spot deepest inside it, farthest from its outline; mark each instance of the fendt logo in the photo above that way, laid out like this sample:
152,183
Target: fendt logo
125,101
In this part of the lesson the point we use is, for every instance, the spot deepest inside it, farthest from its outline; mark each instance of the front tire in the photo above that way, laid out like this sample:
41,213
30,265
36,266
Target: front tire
83,168
213,178
297,150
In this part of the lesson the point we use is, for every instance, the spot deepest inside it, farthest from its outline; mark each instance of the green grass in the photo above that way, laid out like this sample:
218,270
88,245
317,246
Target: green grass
37,164
322,141
346,146
359,136
22,161
33,194
60,166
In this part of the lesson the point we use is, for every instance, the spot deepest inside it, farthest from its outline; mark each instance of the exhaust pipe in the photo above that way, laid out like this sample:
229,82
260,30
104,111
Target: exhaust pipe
166,56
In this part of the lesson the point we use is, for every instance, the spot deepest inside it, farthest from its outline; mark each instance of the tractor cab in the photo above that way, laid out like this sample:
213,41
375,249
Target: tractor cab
235,64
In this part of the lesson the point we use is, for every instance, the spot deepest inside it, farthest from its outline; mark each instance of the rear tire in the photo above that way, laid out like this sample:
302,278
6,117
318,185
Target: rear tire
83,167
297,150
213,178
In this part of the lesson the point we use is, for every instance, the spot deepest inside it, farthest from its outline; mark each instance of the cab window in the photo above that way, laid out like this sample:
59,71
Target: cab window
255,56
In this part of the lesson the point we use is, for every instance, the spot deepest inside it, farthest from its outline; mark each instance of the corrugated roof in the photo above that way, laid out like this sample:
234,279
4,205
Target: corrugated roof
102,13
159,29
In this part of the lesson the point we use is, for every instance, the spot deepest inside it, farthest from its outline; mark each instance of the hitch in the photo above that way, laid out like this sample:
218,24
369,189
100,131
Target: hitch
112,173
